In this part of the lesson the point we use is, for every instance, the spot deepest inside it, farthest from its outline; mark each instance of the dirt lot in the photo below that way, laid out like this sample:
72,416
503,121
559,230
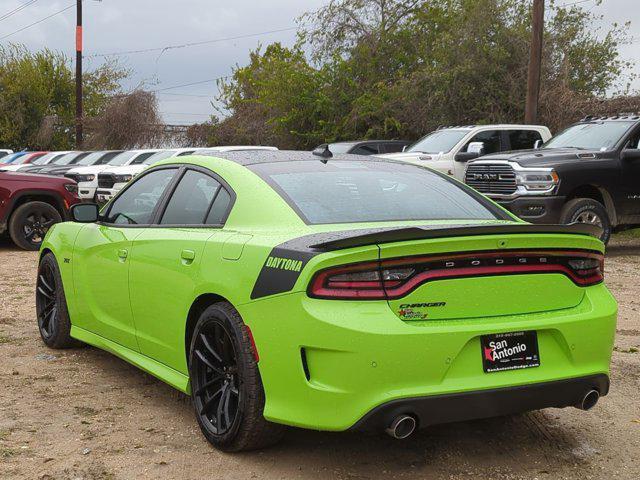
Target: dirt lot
85,414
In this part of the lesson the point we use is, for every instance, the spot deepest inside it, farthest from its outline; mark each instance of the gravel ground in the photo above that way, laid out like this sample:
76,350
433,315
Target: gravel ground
85,414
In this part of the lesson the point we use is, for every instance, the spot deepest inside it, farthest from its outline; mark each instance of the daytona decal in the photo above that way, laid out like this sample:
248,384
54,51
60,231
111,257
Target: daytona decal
280,271
284,264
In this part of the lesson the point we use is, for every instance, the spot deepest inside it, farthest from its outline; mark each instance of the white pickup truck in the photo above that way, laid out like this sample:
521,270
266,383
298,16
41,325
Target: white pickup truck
448,149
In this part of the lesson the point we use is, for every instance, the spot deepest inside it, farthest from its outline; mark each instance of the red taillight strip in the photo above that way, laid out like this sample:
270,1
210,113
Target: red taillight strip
323,287
425,277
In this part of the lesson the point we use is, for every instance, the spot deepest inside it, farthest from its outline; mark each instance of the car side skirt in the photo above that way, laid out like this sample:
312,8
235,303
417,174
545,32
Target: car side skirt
168,375
438,409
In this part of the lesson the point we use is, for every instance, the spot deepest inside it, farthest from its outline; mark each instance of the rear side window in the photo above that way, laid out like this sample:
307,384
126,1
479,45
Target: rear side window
391,147
189,203
366,149
352,192
135,205
491,140
218,213
523,139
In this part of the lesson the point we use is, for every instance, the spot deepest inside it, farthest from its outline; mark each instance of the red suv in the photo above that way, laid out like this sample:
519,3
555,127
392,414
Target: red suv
30,204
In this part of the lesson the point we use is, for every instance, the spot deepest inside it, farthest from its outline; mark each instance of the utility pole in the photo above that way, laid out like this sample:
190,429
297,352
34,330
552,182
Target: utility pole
535,61
79,113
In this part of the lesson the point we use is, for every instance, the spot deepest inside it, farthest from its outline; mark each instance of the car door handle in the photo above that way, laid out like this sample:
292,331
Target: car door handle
187,256
122,254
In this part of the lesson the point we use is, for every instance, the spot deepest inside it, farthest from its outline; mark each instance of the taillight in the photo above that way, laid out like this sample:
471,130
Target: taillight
395,278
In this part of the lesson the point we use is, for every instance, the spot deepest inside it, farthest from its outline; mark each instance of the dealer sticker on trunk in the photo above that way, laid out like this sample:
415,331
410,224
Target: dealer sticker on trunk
509,351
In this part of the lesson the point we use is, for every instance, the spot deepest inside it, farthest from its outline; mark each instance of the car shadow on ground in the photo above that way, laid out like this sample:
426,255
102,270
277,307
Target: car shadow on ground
489,445
7,244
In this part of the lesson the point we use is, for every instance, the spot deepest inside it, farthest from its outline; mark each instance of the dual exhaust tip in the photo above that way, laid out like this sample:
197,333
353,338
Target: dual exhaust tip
403,426
589,400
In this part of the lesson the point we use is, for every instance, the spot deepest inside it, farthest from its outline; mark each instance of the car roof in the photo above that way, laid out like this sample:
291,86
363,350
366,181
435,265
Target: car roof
254,157
360,142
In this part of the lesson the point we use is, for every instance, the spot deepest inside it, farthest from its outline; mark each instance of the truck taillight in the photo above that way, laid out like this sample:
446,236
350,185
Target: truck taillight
395,278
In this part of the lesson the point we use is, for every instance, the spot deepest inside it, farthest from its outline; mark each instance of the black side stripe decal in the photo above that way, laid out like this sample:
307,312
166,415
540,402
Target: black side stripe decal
280,271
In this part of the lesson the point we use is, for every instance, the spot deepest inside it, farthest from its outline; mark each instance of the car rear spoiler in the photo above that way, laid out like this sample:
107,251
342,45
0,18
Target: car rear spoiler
350,238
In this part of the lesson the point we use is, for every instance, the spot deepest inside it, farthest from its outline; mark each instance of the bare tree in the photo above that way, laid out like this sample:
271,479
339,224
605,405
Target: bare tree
342,24
128,121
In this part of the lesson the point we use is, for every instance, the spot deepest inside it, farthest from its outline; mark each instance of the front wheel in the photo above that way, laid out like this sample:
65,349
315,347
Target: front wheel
226,388
589,211
51,306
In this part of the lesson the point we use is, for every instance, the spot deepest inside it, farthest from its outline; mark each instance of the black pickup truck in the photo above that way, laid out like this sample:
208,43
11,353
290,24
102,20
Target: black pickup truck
588,173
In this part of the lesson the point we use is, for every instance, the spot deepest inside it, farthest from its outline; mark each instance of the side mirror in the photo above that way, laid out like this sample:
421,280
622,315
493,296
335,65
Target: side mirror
404,148
476,147
630,154
85,212
465,156
537,144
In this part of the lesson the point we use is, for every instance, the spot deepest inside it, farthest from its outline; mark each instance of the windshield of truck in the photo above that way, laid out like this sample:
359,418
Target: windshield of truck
590,136
440,141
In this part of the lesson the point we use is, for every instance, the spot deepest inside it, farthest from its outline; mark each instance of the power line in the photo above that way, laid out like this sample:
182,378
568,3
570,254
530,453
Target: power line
17,9
40,21
571,4
186,94
190,84
187,113
191,44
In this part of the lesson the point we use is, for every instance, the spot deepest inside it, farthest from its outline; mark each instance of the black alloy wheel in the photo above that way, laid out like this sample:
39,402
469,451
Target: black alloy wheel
30,223
226,387
216,381
51,306
46,301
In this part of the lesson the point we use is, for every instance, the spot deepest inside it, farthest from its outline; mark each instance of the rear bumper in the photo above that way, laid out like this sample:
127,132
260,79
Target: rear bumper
327,364
535,209
457,407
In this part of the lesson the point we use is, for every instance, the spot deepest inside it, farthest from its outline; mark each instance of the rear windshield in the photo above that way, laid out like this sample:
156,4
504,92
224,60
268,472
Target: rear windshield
352,192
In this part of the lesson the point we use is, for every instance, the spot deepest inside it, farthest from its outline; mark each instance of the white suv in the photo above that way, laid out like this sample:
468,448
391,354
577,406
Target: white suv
449,149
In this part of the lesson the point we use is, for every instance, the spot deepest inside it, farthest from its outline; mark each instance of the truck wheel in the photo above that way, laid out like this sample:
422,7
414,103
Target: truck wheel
587,210
30,223
226,388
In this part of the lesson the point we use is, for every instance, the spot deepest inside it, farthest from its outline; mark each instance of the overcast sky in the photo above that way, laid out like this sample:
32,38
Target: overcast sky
124,25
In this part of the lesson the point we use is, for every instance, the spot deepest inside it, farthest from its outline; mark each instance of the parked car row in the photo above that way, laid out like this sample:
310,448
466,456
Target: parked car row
101,174
33,196
586,174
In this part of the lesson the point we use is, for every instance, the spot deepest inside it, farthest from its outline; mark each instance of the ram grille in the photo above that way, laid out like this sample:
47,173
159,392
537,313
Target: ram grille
496,179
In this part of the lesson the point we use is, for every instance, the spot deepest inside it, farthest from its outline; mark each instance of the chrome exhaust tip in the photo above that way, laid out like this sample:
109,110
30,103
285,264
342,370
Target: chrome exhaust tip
401,427
589,400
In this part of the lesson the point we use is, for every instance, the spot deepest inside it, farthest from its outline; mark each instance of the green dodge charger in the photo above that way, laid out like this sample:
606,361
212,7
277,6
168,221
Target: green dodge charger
285,288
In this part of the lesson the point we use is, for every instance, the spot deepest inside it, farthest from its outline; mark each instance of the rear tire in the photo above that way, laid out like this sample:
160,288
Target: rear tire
51,306
589,211
30,223
226,388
